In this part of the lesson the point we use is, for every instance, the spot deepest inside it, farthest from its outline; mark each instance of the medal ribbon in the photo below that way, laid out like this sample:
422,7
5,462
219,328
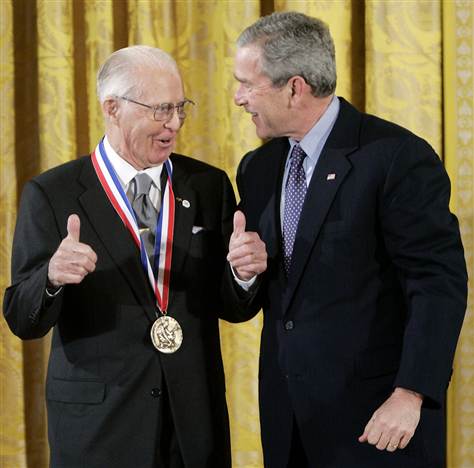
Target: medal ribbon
159,275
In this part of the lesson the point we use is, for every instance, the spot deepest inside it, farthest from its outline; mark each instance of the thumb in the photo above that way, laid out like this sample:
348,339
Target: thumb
365,434
73,227
239,223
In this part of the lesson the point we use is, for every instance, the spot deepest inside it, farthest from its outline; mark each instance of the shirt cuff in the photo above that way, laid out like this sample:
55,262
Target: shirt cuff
53,292
245,285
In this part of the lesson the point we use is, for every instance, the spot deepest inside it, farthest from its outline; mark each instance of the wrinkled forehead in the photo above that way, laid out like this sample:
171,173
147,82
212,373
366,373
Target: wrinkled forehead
159,84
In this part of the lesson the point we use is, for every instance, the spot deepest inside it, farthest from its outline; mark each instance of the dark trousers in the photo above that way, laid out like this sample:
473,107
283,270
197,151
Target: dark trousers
297,457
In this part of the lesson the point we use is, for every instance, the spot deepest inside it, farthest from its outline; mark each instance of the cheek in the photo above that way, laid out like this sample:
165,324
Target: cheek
278,112
139,136
270,114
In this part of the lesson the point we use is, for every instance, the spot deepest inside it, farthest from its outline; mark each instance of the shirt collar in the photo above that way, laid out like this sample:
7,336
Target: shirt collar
125,171
311,141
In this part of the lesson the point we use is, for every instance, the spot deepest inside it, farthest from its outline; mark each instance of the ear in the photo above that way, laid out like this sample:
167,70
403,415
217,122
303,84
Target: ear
297,87
110,108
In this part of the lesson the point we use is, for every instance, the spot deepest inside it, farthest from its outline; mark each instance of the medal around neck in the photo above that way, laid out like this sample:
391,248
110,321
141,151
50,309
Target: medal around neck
166,334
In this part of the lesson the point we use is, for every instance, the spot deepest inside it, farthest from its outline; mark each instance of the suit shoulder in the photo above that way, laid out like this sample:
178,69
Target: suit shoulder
396,140
265,154
386,138
269,147
367,128
61,174
376,128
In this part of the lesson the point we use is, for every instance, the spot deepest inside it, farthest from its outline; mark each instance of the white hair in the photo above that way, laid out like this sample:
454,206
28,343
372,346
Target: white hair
118,75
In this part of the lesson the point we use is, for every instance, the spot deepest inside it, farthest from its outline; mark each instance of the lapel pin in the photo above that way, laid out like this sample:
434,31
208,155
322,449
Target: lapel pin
331,176
184,203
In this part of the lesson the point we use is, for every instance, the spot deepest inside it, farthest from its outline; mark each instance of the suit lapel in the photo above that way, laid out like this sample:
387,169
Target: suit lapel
332,168
185,213
115,237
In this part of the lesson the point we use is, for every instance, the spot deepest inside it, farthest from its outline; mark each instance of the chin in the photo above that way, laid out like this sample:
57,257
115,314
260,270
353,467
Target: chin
265,135
262,133
160,158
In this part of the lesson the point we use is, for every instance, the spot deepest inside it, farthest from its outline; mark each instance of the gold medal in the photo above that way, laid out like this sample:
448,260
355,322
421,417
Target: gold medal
166,334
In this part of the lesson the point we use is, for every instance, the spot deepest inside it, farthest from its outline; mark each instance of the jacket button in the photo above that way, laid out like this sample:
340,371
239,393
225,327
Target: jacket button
289,325
155,392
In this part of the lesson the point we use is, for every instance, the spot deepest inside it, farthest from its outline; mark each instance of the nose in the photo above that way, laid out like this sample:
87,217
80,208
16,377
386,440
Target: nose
174,122
239,96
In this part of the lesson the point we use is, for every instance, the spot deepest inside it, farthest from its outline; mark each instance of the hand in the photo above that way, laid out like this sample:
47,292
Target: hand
394,423
247,253
73,260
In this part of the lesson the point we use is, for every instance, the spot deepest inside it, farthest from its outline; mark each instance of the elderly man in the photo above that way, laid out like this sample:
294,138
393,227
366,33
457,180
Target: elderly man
365,291
122,254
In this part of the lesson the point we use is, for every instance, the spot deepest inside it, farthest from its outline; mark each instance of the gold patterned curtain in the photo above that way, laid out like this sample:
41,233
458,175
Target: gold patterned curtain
408,61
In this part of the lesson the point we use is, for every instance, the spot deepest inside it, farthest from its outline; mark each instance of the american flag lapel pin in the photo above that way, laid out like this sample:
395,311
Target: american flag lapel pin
331,176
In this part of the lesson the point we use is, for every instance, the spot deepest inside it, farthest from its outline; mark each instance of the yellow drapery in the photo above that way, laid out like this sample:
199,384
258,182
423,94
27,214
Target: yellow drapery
405,60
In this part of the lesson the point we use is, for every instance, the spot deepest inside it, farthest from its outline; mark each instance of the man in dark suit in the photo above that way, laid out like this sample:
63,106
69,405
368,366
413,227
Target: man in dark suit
135,376
365,291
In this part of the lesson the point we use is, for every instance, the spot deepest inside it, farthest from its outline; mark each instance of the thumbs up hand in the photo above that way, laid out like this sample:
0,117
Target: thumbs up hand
73,260
247,253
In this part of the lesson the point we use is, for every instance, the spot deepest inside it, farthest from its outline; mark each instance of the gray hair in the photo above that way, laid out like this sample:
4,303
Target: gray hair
118,75
294,44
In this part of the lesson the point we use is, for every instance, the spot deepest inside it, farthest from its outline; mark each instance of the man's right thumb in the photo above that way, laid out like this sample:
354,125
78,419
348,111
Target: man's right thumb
239,222
73,227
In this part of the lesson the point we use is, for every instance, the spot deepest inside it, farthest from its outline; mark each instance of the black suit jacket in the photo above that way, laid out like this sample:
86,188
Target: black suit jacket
375,297
105,377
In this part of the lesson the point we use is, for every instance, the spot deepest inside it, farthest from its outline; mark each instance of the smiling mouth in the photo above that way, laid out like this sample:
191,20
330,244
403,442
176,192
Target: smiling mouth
163,141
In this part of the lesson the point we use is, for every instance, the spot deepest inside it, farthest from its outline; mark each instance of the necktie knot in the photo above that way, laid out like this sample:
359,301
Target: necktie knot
297,155
142,184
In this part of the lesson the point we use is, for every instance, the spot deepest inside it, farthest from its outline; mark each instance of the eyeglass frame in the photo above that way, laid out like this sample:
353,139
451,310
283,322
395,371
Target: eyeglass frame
156,108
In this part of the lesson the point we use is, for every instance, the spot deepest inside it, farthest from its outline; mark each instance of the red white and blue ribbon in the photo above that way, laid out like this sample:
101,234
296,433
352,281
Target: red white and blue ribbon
159,274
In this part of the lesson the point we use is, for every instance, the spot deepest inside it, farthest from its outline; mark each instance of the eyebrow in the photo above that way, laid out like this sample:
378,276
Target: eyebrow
169,102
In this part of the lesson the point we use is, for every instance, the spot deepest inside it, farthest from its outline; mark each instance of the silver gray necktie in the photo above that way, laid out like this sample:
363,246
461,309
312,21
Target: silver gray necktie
145,212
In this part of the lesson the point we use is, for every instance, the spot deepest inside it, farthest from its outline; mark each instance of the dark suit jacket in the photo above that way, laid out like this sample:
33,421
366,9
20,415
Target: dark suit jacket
105,377
374,300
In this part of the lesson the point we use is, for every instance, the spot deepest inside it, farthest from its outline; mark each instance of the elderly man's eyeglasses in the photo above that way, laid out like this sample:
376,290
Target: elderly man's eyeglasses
165,111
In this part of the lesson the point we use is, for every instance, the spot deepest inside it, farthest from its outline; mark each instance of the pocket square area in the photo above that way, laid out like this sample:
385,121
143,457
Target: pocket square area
197,229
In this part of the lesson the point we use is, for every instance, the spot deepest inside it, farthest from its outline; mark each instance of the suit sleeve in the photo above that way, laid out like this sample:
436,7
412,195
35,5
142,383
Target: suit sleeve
239,305
423,240
26,307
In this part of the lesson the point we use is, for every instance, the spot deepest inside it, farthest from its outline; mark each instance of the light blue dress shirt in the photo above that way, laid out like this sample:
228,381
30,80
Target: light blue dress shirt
312,144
